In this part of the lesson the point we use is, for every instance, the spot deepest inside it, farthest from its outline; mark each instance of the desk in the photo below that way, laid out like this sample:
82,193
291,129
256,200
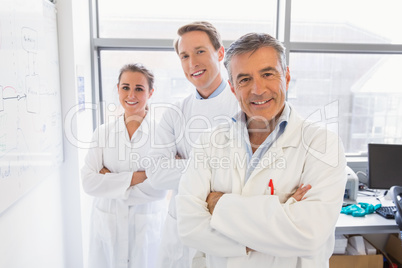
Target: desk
369,224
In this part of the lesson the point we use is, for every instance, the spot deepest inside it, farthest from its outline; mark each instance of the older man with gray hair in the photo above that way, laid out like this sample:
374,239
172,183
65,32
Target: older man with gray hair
242,199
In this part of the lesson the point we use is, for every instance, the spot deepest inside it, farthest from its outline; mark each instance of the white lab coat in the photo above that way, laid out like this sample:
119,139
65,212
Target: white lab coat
125,221
283,232
177,134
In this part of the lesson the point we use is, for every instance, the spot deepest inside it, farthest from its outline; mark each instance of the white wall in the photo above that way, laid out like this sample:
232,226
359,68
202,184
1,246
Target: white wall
43,229
31,230
74,54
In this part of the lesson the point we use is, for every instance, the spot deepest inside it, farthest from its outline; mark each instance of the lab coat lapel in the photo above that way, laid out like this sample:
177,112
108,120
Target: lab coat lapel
276,152
238,157
269,159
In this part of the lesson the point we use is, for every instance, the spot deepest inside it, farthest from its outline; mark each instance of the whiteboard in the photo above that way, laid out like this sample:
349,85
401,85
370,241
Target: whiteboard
30,105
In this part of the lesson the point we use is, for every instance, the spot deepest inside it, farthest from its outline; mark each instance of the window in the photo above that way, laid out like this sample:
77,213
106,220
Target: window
158,19
342,57
364,88
344,21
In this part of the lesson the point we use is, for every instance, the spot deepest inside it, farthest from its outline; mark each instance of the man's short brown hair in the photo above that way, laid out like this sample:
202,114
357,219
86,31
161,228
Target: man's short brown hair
202,26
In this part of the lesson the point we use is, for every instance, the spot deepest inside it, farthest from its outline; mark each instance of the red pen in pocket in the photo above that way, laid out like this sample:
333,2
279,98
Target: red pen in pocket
271,186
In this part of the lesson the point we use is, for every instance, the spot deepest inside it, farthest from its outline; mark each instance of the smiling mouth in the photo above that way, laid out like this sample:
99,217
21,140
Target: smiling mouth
198,73
131,102
260,102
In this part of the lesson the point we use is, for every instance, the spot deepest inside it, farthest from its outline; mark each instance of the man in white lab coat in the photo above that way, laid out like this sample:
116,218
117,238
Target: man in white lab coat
234,200
201,53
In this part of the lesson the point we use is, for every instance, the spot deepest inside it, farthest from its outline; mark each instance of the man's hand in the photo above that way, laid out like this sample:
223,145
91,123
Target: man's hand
104,171
212,199
138,177
301,191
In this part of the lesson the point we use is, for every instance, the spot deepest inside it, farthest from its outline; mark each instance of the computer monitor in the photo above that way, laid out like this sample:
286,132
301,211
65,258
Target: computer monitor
384,165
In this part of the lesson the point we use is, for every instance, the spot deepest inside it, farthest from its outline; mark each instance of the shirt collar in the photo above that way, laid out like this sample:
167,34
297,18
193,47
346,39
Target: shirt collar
284,118
214,94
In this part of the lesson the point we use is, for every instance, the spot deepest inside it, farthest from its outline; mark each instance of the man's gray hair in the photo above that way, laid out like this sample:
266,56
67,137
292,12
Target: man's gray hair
250,43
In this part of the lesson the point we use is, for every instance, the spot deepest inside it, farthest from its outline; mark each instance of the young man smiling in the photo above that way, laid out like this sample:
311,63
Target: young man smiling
201,61
201,53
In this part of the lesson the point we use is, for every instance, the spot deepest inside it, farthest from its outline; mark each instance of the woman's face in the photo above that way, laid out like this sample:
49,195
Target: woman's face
134,93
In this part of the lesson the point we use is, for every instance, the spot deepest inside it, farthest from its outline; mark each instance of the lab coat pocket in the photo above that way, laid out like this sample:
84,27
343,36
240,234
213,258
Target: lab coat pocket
147,238
283,196
148,227
105,226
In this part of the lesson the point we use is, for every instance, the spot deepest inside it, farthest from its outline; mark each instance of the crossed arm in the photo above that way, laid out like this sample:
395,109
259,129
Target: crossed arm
138,176
143,192
214,197
219,224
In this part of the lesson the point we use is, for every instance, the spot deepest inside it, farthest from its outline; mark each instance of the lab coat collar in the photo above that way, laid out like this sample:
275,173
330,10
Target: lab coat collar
144,127
287,139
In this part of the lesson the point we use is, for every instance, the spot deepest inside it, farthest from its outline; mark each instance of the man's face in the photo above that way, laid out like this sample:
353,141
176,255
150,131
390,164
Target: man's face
259,83
200,61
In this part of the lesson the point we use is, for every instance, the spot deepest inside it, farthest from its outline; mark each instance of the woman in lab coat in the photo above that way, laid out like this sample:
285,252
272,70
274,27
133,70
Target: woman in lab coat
127,212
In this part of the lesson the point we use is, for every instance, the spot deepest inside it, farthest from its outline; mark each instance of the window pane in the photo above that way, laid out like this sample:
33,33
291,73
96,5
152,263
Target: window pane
345,21
361,95
160,19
